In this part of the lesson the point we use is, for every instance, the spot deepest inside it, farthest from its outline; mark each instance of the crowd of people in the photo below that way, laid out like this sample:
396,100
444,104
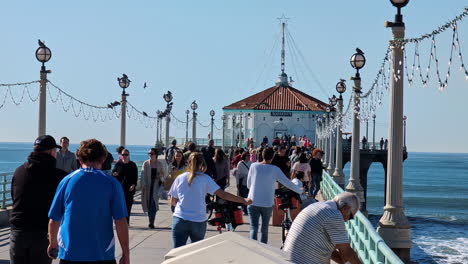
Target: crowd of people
64,203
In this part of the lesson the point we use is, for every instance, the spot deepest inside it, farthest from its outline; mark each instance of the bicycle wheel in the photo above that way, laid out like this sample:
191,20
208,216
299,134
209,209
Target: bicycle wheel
284,232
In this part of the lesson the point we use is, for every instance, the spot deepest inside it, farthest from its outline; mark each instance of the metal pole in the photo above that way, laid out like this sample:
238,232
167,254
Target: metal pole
241,134
367,133
42,101
404,133
168,120
160,130
186,126
212,123
354,184
157,131
394,227
233,130
338,174
224,125
194,128
123,118
331,161
325,141
373,133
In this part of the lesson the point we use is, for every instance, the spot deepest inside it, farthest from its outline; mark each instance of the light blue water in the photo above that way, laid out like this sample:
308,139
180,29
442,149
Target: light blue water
435,198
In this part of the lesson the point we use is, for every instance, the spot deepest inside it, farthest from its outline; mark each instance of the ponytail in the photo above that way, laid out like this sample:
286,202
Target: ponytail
195,163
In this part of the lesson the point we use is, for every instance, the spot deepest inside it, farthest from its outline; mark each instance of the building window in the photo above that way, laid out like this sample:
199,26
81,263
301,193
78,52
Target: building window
298,119
264,118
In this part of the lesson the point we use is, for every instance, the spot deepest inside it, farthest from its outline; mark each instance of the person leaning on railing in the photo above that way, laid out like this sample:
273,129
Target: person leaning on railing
318,233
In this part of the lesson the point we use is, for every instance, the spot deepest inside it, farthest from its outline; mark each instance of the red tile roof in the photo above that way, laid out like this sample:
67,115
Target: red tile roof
279,98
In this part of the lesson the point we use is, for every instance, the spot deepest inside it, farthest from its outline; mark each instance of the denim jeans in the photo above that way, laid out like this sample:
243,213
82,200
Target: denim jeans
315,187
151,204
183,229
254,214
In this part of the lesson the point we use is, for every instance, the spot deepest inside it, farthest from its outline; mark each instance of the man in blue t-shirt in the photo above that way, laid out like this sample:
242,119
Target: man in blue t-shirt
85,203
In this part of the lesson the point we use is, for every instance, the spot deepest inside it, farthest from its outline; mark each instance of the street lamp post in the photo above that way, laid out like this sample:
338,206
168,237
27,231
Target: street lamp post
325,138
331,163
357,62
43,55
168,98
124,82
187,112
394,227
194,107
223,118
404,132
338,174
241,134
367,133
212,113
373,131
158,114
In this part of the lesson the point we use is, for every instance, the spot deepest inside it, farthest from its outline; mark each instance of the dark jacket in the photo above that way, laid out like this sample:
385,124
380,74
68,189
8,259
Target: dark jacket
316,166
128,174
32,190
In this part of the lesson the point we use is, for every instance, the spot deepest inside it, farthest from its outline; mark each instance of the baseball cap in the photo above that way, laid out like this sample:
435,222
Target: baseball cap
45,142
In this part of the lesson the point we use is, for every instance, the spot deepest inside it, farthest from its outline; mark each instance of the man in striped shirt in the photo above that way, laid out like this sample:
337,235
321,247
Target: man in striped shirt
318,233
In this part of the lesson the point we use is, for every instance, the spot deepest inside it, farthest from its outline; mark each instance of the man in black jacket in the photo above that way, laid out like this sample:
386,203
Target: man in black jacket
32,191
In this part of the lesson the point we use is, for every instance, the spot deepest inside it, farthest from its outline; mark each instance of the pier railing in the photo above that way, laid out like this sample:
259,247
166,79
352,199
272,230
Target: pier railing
365,241
5,183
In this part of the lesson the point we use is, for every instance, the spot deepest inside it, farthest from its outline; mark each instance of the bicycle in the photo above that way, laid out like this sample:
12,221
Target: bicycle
227,214
286,200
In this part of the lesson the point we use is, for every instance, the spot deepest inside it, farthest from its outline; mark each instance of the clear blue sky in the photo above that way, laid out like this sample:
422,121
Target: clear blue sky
214,51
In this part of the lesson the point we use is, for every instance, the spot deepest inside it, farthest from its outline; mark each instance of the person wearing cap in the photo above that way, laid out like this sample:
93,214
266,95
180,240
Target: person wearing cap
32,191
316,167
66,160
169,154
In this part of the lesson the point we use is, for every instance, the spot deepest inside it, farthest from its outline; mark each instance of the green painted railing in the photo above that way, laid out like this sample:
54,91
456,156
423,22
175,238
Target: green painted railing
5,183
369,246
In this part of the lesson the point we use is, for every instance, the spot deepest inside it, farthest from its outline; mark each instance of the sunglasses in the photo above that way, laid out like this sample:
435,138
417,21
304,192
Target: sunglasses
125,155
150,153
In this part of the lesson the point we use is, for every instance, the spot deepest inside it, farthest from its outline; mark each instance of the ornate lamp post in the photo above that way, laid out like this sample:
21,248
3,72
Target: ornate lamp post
331,162
168,98
223,117
212,113
357,62
404,132
187,112
325,137
43,55
394,227
373,131
124,82
338,174
158,113
194,107
233,130
241,133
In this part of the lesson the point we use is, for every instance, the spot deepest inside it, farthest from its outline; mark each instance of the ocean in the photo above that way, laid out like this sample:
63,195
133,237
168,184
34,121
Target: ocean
435,198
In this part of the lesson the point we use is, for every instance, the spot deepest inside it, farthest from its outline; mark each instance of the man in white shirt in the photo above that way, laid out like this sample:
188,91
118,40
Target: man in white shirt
261,183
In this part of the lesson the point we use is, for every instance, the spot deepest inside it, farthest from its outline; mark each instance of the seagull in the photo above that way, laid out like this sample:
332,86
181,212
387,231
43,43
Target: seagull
144,85
358,50
342,80
41,44
125,75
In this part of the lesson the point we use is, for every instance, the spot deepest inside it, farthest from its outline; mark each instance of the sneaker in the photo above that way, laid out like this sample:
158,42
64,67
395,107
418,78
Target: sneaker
151,226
